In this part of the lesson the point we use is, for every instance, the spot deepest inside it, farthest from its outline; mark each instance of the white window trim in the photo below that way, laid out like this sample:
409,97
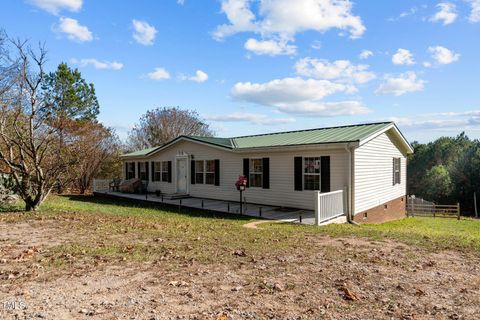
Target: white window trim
205,172
163,165
250,172
319,174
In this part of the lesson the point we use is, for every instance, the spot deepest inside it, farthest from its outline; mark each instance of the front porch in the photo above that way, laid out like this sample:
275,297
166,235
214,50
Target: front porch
253,210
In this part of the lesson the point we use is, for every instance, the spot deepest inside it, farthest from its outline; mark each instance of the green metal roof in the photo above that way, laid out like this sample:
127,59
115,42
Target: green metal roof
351,133
313,136
140,153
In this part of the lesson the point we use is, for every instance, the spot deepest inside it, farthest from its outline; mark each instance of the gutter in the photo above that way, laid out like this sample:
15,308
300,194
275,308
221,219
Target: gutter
349,149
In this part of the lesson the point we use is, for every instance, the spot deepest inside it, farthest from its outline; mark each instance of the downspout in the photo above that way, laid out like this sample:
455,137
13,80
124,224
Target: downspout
349,186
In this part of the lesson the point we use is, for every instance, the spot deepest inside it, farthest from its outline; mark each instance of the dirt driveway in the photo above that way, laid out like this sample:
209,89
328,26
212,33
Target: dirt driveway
323,277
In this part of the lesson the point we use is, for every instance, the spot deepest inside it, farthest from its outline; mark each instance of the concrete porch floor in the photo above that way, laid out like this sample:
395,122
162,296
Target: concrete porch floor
253,210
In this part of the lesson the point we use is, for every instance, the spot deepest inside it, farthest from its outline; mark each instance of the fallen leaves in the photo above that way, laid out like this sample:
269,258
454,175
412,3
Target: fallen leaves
348,294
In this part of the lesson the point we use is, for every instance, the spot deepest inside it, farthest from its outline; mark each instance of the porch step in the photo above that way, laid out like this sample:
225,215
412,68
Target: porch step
176,196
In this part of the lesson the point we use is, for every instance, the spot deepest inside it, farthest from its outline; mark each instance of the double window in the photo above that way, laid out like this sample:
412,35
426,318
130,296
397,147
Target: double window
256,173
311,173
205,171
396,170
160,171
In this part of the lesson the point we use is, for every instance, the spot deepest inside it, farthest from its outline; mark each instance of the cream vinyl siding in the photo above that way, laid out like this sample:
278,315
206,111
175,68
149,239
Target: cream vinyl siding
281,191
373,172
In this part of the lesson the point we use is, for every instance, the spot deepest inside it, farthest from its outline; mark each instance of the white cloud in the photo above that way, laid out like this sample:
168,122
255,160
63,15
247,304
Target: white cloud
54,6
442,120
144,33
254,118
475,12
283,19
342,70
401,84
443,55
74,30
159,74
114,65
410,12
270,47
447,13
365,54
181,2
199,77
403,57
299,96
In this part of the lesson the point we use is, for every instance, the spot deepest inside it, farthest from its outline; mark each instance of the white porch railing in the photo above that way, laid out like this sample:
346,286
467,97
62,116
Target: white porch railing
100,185
329,205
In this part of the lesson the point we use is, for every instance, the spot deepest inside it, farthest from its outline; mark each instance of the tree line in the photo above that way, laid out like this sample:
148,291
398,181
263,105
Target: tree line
446,171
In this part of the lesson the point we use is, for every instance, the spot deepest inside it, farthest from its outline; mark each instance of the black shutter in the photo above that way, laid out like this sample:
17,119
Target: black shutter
138,170
325,174
152,168
146,171
246,170
169,171
298,163
192,171
266,173
134,173
217,172
126,170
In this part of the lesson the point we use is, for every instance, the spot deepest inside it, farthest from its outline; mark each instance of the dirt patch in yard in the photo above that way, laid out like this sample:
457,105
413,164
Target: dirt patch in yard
47,272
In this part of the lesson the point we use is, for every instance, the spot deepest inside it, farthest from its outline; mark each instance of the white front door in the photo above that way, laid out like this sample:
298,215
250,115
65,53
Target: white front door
182,175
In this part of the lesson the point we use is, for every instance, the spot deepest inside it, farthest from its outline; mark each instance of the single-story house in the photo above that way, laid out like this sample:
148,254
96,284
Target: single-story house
286,169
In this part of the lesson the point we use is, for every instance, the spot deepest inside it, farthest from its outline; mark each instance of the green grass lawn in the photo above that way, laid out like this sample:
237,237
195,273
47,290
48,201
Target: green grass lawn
105,217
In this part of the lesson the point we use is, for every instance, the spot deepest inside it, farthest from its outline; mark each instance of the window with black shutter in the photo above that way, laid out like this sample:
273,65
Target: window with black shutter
157,171
166,171
130,174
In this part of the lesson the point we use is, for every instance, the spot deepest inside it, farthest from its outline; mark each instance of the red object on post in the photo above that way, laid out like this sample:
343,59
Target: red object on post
241,184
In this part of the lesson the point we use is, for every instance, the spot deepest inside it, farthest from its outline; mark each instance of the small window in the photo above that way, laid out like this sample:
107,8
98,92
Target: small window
165,171
396,171
210,172
256,171
157,171
311,173
199,171
142,174
130,170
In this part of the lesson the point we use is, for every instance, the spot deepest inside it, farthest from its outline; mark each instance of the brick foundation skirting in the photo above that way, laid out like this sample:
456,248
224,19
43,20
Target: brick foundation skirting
388,211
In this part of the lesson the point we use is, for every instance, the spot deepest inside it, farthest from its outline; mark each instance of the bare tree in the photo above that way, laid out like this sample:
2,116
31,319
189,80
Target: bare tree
158,126
29,146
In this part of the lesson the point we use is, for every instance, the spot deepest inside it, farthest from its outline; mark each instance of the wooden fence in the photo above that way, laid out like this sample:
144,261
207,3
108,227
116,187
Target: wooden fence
429,209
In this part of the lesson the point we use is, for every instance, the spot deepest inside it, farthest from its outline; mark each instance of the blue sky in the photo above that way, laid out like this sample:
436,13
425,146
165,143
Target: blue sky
255,66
